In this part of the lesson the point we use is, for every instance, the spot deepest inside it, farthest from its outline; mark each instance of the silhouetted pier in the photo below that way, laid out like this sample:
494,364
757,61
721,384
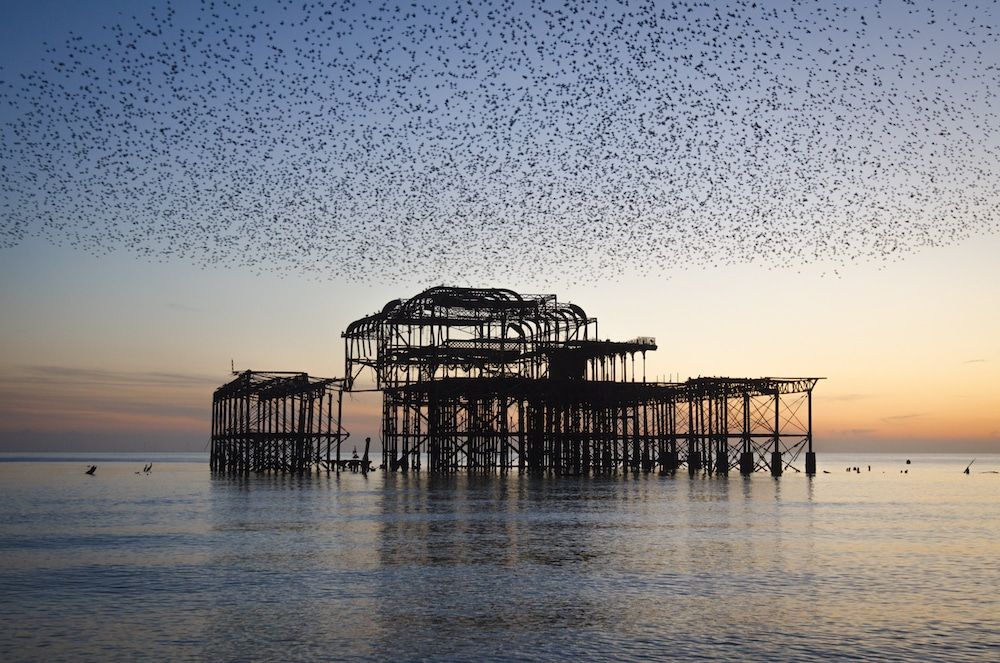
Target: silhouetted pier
277,421
490,380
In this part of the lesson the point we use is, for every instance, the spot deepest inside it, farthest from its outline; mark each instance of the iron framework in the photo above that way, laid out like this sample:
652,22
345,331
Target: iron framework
489,379
277,421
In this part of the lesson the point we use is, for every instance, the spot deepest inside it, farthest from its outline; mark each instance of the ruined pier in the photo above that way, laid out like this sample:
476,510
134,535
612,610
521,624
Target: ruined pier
276,421
493,380
490,380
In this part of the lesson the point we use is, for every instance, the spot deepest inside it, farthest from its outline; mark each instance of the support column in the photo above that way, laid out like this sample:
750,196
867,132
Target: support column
810,455
694,430
746,454
776,463
671,461
521,450
722,436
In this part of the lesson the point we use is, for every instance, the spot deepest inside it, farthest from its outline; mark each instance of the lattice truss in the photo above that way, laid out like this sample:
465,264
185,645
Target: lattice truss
276,421
490,379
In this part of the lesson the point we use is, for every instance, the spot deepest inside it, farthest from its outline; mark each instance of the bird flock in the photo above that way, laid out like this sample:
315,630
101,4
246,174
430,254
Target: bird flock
474,141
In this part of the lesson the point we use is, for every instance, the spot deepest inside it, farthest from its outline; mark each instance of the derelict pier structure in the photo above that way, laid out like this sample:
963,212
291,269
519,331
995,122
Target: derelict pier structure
492,380
282,422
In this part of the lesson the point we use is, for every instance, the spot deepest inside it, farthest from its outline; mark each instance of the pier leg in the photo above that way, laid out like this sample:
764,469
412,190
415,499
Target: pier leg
694,462
722,459
776,464
810,454
694,456
746,456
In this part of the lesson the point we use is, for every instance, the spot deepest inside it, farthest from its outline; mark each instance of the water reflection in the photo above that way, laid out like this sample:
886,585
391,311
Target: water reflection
494,561
470,567
294,558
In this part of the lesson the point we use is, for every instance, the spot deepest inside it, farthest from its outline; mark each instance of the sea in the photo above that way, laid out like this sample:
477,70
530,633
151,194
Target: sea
896,562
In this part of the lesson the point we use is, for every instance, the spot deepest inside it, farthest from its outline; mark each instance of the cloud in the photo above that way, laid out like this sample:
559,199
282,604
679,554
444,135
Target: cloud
68,398
47,374
854,432
902,417
847,397
975,361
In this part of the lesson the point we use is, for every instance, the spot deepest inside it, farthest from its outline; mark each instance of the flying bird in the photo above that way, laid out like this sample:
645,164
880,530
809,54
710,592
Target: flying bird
462,142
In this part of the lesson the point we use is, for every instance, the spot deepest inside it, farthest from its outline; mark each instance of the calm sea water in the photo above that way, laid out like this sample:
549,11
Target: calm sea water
181,565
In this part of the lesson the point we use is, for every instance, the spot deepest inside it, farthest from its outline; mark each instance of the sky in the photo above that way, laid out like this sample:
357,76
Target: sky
117,325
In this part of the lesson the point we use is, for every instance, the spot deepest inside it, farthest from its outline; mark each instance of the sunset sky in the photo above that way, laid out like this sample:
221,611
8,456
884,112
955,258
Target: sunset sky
121,351
117,352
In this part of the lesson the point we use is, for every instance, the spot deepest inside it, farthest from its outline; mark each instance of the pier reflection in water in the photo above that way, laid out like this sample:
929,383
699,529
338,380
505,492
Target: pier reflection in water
388,566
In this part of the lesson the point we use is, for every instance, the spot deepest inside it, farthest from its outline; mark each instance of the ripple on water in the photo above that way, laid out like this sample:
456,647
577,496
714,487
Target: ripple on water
869,567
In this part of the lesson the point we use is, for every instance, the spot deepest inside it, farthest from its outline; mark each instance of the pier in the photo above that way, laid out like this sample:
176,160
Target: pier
277,421
491,380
